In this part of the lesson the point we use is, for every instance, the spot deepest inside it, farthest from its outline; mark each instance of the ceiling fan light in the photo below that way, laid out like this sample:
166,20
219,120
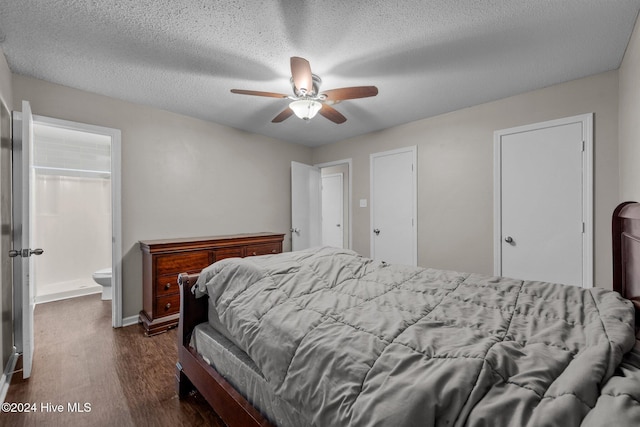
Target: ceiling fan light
305,108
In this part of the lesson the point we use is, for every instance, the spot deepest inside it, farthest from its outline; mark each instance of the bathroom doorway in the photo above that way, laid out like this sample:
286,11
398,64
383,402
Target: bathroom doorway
76,211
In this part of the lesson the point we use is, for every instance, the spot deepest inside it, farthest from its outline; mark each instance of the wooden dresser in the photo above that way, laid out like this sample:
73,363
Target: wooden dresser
163,260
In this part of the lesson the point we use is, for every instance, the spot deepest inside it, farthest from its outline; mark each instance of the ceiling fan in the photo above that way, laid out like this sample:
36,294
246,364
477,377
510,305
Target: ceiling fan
307,100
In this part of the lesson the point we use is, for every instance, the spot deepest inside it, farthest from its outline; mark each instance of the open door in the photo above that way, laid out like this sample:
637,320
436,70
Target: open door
24,294
306,204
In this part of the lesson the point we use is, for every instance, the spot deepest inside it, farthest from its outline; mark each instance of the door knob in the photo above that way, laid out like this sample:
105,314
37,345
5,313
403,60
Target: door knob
508,239
25,253
376,231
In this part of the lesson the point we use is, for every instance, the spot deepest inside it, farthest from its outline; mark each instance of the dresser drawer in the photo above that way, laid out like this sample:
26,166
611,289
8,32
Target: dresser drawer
235,252
168,284
263,249
181,262
168,304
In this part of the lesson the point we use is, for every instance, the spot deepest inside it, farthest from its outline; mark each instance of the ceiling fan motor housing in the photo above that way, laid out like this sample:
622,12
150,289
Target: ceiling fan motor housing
313,93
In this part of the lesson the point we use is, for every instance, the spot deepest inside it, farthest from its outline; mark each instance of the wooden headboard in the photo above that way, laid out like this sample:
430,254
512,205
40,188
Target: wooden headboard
626,253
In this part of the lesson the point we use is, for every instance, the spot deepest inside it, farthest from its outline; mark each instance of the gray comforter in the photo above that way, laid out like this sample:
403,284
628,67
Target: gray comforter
353,342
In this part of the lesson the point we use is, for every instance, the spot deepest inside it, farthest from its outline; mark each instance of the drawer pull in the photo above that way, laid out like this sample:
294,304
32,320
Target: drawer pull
167,286
168,306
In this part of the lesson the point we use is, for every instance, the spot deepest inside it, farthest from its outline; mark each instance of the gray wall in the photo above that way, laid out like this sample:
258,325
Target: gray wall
181,177
6,288
629,120
455,171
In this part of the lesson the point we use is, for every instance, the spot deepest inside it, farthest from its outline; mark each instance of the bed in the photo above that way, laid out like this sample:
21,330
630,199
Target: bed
325,337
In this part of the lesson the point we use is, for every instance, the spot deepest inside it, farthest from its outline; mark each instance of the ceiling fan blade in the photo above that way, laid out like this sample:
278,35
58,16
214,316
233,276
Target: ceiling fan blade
284,115
332,114
258,93
301,74
350,93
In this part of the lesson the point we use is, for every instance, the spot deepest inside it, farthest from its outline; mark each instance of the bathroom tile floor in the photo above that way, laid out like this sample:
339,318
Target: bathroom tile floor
126,379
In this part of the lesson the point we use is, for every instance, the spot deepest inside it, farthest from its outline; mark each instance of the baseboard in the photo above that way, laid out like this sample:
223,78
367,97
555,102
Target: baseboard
5,380
131,320
68,294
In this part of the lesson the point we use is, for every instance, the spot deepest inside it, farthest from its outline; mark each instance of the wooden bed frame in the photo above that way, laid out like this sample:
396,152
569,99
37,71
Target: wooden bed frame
194,373
625,236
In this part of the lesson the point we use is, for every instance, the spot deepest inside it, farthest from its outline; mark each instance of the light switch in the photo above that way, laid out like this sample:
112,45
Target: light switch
363,203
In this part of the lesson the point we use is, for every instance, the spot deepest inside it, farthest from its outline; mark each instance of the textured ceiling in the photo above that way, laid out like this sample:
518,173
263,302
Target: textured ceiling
426,57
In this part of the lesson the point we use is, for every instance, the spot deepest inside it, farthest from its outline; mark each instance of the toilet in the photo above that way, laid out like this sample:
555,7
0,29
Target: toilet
103,278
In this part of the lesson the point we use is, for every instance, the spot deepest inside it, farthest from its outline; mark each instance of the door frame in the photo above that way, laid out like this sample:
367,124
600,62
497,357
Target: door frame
586,121
116,203
349,164
413,149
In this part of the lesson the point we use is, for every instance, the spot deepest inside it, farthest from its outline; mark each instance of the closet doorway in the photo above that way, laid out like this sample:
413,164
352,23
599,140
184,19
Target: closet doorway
336,203
332,209
316,218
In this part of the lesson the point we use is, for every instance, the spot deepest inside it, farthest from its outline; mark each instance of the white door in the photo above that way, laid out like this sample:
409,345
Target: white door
332,210
306,225
544,203
394,206
24,293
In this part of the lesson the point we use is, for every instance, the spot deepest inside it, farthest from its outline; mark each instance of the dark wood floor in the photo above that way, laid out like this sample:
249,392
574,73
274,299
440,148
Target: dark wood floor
127,378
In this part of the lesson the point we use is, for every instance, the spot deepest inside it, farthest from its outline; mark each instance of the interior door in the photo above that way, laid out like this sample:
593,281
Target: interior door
332,210
542,203
393,206
306,205
23,178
